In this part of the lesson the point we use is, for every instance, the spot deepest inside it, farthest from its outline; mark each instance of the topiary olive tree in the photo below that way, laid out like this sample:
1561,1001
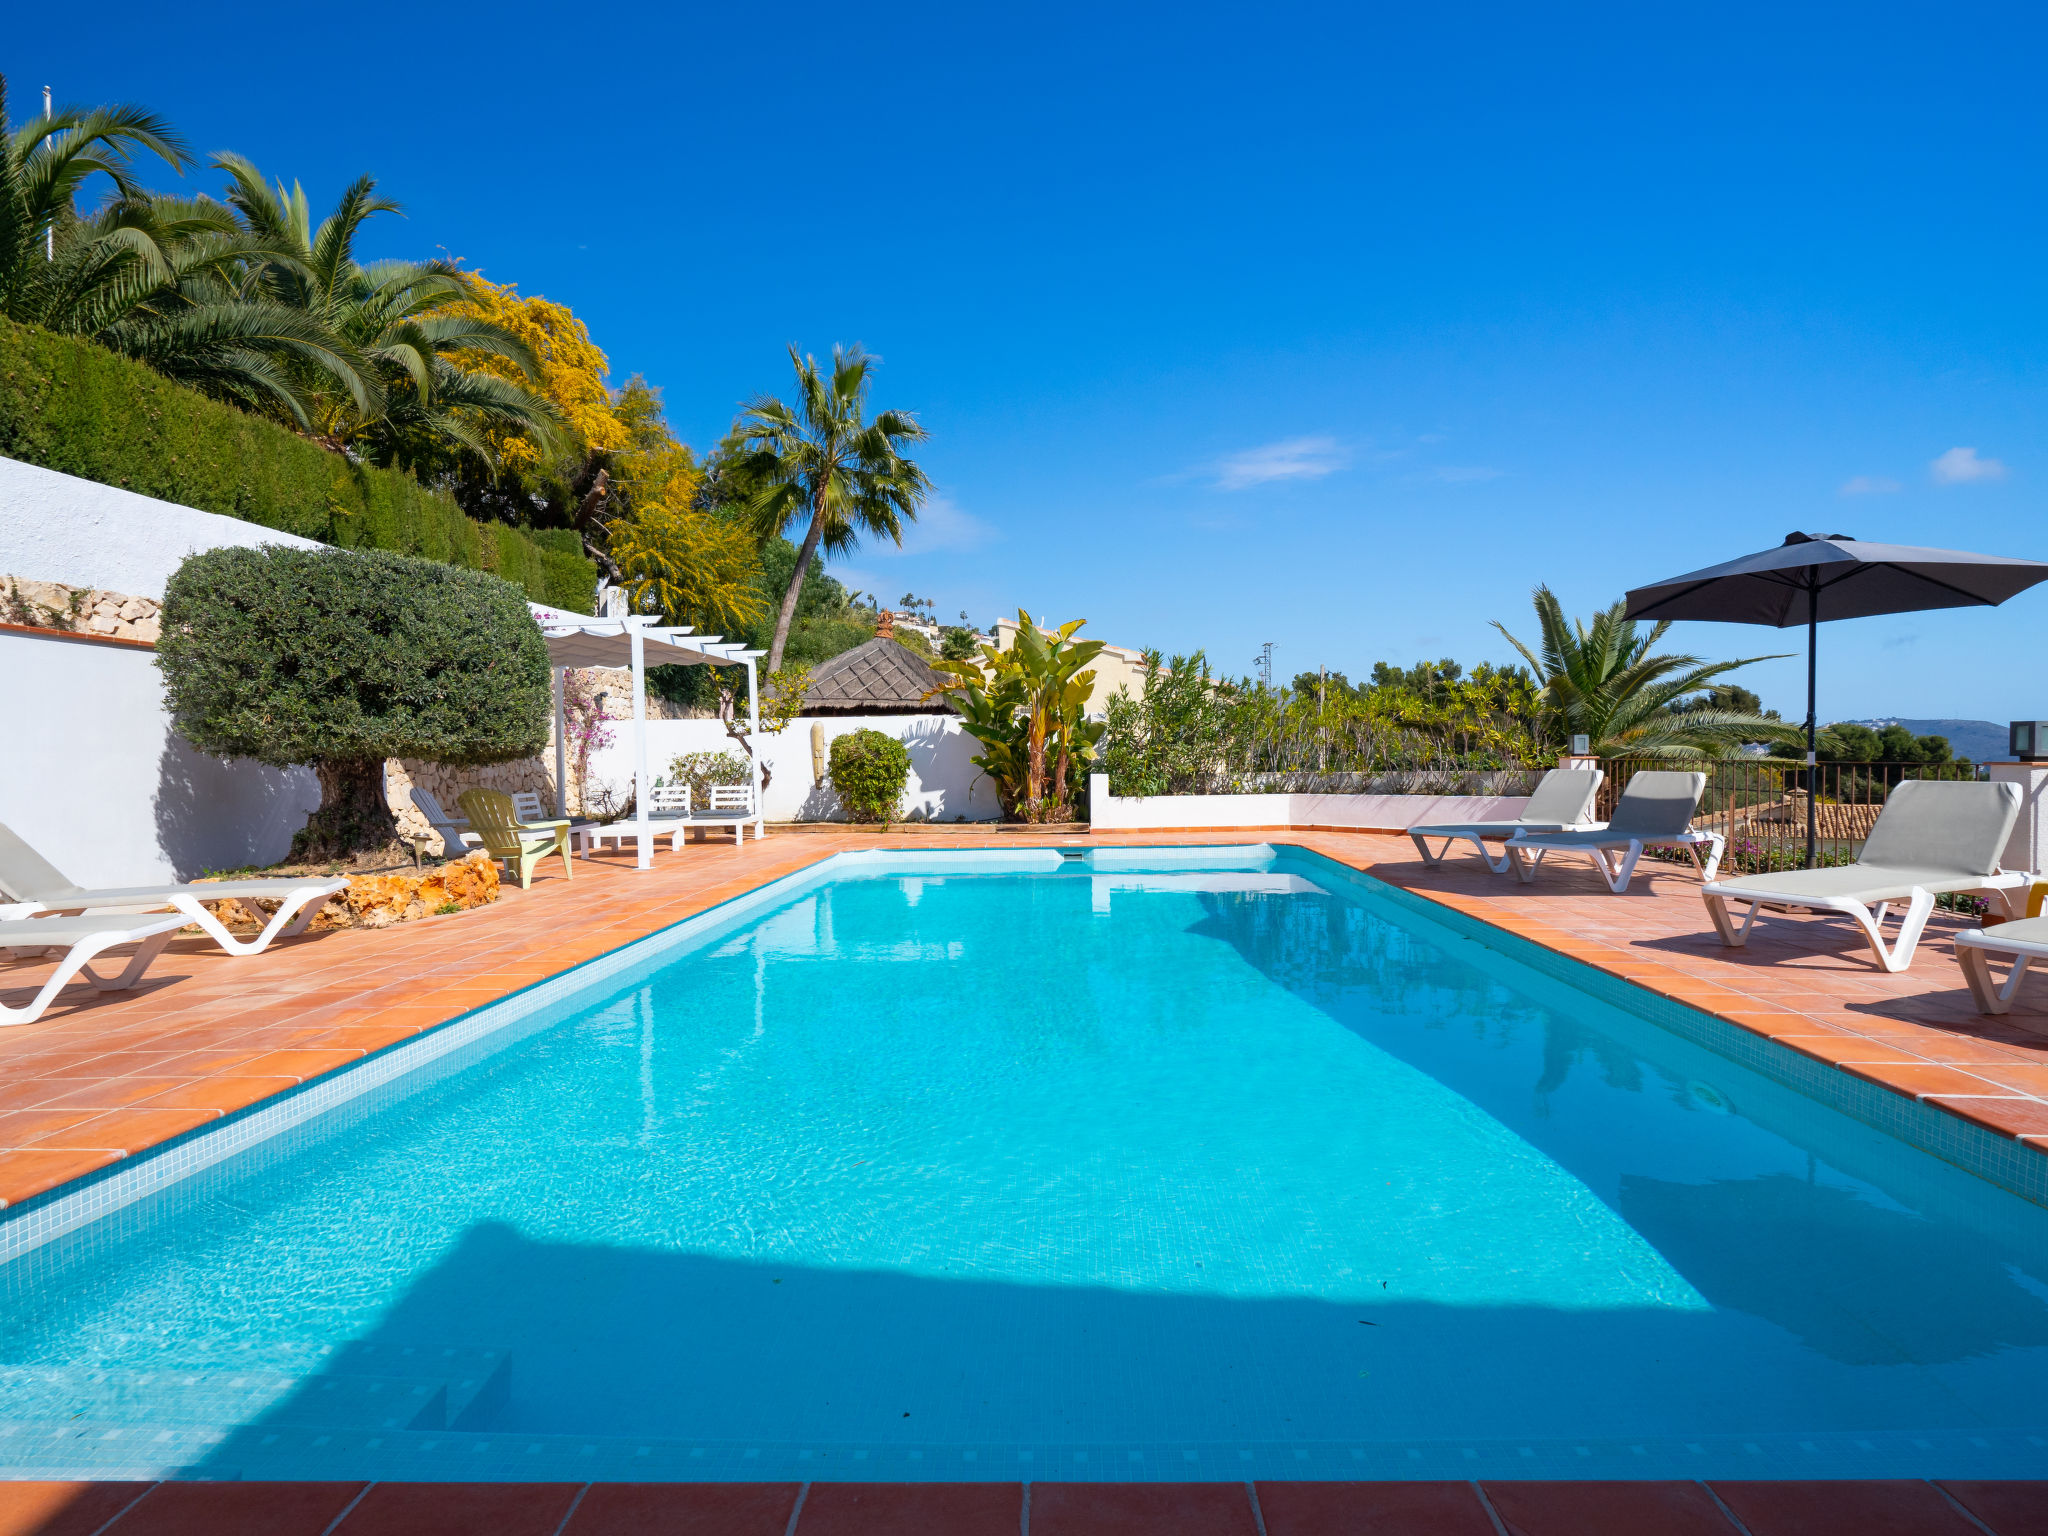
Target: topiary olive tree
337,659
869,771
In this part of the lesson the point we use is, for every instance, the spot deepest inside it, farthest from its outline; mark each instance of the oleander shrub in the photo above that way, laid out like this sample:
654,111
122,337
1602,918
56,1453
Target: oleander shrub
337,659
69,405
868,771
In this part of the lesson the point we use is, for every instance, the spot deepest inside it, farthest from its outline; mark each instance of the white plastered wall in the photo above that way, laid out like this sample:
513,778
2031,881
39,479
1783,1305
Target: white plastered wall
943,786
97,782
56,527
1387,813
93,776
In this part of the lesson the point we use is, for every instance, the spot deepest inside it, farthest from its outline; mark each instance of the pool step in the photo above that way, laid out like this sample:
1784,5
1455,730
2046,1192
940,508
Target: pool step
370,1388
478,1380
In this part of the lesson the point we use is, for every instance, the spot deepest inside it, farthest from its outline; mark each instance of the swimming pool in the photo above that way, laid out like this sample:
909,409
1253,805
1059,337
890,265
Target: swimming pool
1145,1164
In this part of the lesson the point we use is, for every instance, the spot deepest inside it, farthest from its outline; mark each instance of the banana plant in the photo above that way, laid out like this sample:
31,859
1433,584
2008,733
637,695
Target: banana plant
1027,706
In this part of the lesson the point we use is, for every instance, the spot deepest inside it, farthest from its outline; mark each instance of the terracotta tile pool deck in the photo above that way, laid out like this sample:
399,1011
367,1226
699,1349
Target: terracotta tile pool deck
1901,1508
105,1076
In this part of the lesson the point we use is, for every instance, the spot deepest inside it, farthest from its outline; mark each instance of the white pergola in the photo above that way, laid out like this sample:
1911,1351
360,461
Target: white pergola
635,642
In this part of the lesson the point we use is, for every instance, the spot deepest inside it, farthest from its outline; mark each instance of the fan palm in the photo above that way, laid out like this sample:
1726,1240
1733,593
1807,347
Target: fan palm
822,463
1600,680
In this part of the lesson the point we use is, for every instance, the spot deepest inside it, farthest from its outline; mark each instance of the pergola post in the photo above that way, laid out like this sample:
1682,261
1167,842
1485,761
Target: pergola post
561,741
754,752
642,789
586,640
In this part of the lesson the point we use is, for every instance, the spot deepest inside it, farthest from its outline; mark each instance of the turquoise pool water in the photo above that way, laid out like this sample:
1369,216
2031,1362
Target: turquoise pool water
1207,1165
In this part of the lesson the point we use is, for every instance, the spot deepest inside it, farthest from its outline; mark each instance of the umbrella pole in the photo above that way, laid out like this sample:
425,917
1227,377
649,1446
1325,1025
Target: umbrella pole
1812,771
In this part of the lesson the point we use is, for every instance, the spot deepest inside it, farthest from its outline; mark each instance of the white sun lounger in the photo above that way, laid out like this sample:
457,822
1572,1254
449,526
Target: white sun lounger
33,884
732,805
1931,839
1563,801
83,939
668,811
1655,811
2022,942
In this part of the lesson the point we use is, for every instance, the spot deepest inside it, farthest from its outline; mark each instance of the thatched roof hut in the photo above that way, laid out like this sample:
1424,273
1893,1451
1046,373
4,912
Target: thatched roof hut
878,678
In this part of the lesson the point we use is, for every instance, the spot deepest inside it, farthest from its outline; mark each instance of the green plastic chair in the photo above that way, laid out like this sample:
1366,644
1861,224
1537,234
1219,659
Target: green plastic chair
519,845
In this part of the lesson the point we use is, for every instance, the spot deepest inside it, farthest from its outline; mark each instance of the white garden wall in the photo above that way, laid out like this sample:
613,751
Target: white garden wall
94,778
943,786
57,527
1384,813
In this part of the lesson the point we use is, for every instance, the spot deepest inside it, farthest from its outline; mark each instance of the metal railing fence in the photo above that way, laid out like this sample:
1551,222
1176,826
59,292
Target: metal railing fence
1759,804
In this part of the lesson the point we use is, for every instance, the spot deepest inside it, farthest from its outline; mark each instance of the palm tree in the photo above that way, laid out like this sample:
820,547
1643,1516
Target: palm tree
181,308
1601,681
149,276
43,166
824,464
411,398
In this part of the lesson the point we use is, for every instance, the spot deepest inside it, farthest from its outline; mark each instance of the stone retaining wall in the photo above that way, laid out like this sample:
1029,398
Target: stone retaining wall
445,784
84,610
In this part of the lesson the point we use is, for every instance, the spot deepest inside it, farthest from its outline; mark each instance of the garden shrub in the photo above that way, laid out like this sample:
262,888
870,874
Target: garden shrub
337,659
69,405
701,770
869,771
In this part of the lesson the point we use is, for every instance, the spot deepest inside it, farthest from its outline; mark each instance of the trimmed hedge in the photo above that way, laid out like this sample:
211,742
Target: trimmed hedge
73,406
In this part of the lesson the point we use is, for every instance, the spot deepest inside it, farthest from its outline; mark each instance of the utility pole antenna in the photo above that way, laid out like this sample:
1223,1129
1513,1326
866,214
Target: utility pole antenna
1265,663
50,234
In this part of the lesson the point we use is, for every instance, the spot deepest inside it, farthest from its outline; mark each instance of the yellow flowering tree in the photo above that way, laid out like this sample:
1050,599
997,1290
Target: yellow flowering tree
572,368
690,566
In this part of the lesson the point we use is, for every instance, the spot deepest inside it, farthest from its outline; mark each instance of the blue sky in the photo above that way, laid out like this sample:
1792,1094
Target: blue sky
1338,328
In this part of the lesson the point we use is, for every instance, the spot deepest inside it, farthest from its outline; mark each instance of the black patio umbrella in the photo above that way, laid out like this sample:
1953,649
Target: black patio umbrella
1809,578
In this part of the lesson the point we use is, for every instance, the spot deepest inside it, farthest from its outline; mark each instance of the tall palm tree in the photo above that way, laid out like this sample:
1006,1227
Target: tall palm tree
412,397
1602,681
824,464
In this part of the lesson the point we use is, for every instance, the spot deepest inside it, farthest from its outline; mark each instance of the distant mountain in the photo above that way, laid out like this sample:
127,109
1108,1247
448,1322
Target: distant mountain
1981,741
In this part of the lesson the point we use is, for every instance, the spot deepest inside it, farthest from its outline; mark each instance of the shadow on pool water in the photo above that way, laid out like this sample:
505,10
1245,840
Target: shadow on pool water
610,1343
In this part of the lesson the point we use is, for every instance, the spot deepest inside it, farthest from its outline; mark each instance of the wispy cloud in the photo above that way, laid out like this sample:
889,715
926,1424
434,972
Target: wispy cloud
1869,485
943,527
1295,458
1961,466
